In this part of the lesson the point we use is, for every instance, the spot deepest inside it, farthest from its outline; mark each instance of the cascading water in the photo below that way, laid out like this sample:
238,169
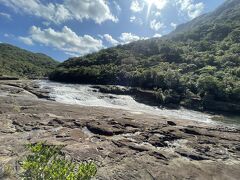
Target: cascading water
86,96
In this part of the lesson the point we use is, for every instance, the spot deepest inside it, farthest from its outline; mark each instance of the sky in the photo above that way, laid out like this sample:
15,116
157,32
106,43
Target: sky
70,28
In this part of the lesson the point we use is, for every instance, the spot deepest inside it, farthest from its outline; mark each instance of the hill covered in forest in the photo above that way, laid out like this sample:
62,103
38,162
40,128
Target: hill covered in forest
197,65
21,63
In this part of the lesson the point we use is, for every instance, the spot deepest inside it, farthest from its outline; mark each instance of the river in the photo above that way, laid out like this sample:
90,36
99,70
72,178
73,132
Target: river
85,95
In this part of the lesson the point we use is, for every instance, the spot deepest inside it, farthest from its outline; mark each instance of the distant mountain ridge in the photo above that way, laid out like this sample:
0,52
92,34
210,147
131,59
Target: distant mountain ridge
196,66
18,62
223,13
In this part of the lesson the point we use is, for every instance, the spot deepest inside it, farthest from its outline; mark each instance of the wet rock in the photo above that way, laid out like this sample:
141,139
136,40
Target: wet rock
203,149
131,145
36,128
55,122
138,148
171,123
191,155
8,131
8,78
157,141
62,135
27,128
78,124
191,131
16,123
103,128
237,148
158,155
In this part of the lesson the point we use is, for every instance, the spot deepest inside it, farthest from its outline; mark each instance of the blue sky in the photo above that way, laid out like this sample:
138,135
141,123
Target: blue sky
67,28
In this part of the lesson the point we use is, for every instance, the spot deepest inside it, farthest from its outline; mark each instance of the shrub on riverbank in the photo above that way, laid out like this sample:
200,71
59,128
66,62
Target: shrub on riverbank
48,162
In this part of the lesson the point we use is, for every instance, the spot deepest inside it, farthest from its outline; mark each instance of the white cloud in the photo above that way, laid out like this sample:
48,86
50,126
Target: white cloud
192,9
9,35
46,23
134,19
157,35
188,8
156,25
53,12
97,10
5,15
159,4
139,5
118,8
72,54
129,37
158,14
6,35
110,39
65,40
26,40
101,36
174,25
136,6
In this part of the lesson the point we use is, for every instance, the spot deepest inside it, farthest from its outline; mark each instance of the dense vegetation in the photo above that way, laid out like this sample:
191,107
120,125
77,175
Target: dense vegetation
21,63
196,65
48,162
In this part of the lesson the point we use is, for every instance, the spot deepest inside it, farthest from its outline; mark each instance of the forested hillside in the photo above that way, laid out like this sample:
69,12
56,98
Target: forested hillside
198,63
21,63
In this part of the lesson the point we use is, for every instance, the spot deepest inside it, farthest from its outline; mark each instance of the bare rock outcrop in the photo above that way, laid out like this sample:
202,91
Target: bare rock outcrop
123,145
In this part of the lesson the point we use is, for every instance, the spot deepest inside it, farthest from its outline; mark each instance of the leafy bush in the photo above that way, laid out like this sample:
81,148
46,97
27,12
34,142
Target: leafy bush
48,162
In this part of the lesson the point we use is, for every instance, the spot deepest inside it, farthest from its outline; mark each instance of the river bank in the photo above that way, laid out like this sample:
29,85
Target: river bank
124,144
156,98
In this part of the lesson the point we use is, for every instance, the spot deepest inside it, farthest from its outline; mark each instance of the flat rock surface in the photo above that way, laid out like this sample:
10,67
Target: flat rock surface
123,145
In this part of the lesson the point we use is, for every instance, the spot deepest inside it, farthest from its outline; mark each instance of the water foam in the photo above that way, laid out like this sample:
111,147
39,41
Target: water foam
86,96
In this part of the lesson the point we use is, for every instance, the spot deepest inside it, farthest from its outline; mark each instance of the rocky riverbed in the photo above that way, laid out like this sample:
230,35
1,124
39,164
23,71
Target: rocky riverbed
124,145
